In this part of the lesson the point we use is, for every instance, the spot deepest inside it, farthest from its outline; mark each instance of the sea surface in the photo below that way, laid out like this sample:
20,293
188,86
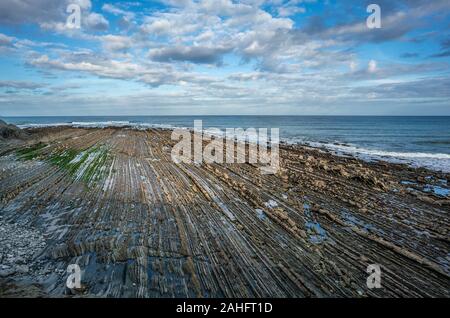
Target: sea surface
417,141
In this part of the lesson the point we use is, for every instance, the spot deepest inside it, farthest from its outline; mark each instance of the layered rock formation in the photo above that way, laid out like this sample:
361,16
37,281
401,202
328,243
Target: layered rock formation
140,225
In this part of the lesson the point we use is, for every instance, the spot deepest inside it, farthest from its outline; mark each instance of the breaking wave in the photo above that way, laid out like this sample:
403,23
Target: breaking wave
433,161
98,124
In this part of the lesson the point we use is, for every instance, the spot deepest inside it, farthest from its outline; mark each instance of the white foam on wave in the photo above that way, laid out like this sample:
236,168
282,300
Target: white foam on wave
433,161
238,135
98,124
381,153
24,126
101,124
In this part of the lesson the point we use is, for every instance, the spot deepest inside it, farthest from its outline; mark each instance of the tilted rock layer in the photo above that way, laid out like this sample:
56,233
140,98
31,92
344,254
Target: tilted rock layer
139,225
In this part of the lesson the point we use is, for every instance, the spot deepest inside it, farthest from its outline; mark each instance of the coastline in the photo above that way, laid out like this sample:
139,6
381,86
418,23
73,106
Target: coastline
143,226
437,159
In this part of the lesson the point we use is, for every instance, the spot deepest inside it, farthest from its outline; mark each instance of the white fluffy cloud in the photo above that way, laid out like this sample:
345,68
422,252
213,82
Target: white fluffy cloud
50,14
372,67
224,52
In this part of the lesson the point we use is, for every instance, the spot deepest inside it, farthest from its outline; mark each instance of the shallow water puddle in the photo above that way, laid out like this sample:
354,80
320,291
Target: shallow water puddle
261,215
406,182
315,231
437,190
352,220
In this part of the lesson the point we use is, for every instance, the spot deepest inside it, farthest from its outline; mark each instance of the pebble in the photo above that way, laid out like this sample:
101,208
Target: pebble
19,244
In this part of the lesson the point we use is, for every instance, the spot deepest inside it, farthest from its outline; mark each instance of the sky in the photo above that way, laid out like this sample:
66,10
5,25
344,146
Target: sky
224,57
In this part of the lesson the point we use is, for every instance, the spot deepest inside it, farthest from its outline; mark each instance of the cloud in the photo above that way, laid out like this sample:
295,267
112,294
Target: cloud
91,64
397,21
21,85
117,11
49,14
97,22
5,40
353,65
445,49
116,42
153,74
409,55
224,7
126,20
194,49
372,67
7,44
29,11
441,54
291,7
194,54
435,87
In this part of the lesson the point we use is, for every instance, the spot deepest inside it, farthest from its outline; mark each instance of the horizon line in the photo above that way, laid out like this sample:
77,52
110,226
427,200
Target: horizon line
233,115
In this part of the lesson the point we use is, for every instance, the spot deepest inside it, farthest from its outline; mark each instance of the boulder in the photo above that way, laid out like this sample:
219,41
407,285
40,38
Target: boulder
8,131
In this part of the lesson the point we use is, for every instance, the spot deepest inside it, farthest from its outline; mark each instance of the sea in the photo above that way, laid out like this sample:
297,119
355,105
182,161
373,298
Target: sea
416,141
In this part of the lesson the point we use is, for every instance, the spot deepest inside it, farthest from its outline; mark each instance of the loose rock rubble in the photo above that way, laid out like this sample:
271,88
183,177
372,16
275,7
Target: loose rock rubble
139,225
20,246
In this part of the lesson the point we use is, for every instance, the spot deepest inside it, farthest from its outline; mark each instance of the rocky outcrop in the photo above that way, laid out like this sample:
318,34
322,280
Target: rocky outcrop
8,131
140,225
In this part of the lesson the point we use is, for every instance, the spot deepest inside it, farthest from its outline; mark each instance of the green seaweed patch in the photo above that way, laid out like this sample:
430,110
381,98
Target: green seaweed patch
63,159
31,152
87,166
95,170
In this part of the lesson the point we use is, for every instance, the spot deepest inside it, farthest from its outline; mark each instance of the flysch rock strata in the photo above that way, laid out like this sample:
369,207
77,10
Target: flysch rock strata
139,225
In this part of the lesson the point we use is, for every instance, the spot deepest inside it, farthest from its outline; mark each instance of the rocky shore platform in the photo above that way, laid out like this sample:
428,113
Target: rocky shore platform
140,225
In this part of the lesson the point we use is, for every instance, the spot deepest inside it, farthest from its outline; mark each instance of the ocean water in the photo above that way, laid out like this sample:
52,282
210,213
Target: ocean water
417,141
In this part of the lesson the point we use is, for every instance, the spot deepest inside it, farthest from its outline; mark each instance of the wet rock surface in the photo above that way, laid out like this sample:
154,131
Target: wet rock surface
139,225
